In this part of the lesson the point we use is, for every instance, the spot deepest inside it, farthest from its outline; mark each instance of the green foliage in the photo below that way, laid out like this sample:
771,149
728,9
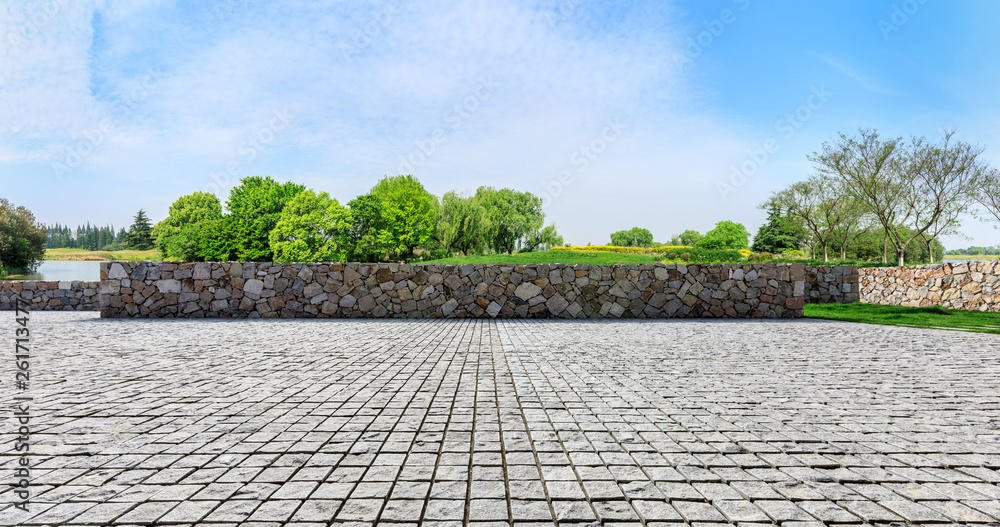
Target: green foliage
689,237
703,255
547,237
367,222
87,237
407,213
634,237
548,257
779,234
140,234
462,224
215,240
177,235
726,235
514,216
22,239
312,228
254,208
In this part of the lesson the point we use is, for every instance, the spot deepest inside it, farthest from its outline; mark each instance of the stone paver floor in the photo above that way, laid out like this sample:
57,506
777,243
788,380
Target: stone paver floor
270,423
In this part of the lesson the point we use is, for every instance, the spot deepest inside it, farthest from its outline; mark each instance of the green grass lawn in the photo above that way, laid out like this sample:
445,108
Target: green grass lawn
915,317
548,257
81,254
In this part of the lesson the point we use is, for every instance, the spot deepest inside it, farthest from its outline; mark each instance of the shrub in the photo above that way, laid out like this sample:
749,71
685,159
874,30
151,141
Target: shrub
686,257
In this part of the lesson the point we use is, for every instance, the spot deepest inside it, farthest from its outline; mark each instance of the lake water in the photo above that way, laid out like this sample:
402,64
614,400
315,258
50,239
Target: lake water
63,270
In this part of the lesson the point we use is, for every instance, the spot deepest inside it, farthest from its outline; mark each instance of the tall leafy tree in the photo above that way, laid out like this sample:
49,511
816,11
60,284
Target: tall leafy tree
514,216
989,194
140,234
178,234
462,224
779,234
312,228
366,223
903,184
407,211
254,208
22,239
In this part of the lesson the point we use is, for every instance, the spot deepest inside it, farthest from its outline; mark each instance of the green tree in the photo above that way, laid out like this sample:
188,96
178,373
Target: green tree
254,208
312,228
779,234
461,224
177,235
726,235
140,234
917,185
22,239
513,216
634,237
214,240
407,212
367,222
688,237
547,238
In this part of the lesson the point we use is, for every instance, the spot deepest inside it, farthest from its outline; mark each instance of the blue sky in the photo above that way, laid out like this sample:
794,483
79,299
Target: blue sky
618,113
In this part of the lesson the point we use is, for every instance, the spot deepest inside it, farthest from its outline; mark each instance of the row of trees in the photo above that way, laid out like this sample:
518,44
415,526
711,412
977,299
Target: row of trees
899,191
87,237
94,238
397,220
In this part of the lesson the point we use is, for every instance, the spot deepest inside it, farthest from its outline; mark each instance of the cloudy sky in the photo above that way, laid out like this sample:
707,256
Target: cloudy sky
618,113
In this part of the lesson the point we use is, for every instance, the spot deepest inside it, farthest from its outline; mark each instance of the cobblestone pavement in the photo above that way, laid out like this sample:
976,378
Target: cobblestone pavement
269,423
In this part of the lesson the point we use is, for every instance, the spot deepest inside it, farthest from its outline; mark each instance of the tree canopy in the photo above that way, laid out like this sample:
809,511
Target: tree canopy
22,239
312,228
726,235
634,237
254,207
177,235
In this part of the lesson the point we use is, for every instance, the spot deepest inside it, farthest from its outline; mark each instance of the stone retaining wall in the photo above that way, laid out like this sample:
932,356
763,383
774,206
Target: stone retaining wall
43,295
967,285
832,284
286,290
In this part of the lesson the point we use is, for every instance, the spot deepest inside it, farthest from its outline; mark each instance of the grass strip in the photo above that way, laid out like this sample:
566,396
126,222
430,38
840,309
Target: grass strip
935,317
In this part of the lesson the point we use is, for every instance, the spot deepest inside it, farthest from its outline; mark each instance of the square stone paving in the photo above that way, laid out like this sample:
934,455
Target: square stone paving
504,422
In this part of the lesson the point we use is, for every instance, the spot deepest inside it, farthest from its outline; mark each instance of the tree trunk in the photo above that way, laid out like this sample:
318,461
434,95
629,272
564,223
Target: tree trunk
826,254
843,252
930,252
901,252
885,249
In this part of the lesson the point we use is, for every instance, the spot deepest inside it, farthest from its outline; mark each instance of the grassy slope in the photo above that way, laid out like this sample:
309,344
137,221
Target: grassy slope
918,317
547,257
80,254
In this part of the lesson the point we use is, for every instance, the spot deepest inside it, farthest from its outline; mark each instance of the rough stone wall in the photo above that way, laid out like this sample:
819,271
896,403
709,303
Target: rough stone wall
966,285
832,284
286,290
45,295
